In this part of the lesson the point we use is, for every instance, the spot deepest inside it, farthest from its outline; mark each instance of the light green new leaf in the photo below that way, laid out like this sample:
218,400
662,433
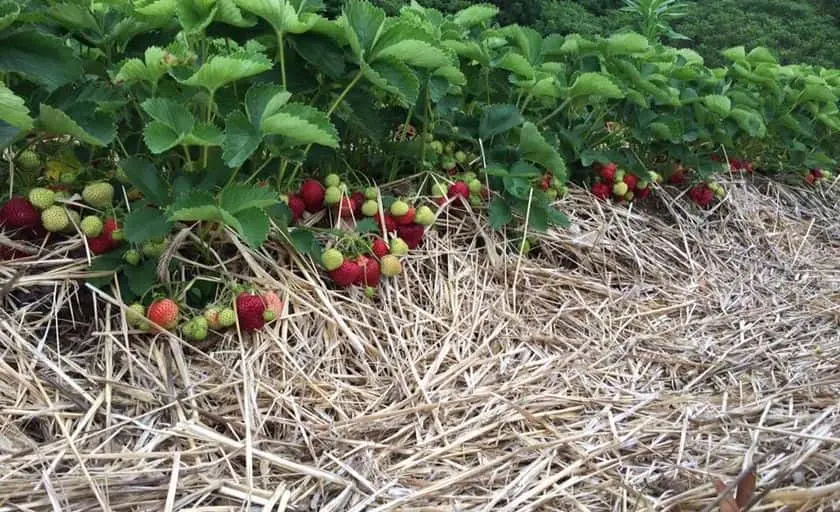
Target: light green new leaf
9,11
719,104
760,54
594,85
516,63
535,149
280,14
195,15
263,100
222,70
150,69
204,135
171,114
13,109
475,15
469,50
241,139
749,121
627,43
87,125
156,8
818,92
395,77
239,197
415,53
735,54
303,124
228,12
452,74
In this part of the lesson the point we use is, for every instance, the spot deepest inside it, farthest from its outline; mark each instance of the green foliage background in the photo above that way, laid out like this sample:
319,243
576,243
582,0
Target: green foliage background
801,31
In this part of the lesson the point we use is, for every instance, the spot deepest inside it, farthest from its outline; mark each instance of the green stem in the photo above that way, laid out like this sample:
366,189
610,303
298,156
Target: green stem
555,112
209,118
281,56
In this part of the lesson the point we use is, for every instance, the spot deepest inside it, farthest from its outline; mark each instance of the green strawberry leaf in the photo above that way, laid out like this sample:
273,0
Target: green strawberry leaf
595,85
43,58
204,135
197,205
362,24
171,114
253,226
81,121
144,224
535,149
475,15
221,70
110,262
282,15
499,213
303,125
9,11
241,139
498,119
13,110
263,100
195,15
143,175
142,278
305,242
366,226
238,197
395,77
159,137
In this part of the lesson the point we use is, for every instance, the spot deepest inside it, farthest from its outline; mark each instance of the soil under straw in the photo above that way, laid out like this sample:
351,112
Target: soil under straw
636,357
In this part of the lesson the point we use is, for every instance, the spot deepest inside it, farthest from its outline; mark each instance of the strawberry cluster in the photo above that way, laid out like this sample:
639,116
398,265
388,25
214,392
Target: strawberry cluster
612,182
250,310
815,176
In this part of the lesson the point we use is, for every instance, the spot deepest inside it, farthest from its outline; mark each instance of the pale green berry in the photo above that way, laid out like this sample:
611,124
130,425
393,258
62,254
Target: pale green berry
332,259
370,208
91,226
332,195
332,180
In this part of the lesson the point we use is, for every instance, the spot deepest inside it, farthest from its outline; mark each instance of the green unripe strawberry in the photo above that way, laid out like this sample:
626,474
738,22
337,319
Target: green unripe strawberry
556,183
655,177
371,193
74,220
332,259
132,257
475,186
399,208
450,147
525,246
92,226
398,247
118,235
468,176
642,184
68,178
269,315
620,189
562,190
551,194
121,176
29,160
429,137
196,329
227,317
153,249
332,180
460,157
475,200
55,219
99,195
629,195
136,317
439,190
437,146
41,198
370,292
62,195
390,265
424,216
332,196
619,176
370,208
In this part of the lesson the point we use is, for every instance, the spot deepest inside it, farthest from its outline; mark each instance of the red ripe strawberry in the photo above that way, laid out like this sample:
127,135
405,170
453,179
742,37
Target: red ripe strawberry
544,184
312,193
714,158
346,207
602,191
347,274
631,181
370,272
678,178
163,312
388,226
440,201
459,189
358,199
297,207
249,311
643,193
380,248
408,218
810,179
702,195
9,253
412,234
105,242
607,172
18,213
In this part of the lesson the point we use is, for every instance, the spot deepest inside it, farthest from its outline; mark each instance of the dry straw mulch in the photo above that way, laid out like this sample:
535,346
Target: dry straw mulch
635,358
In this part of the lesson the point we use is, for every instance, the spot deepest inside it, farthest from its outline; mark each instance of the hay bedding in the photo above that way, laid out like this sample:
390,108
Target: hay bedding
634,359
